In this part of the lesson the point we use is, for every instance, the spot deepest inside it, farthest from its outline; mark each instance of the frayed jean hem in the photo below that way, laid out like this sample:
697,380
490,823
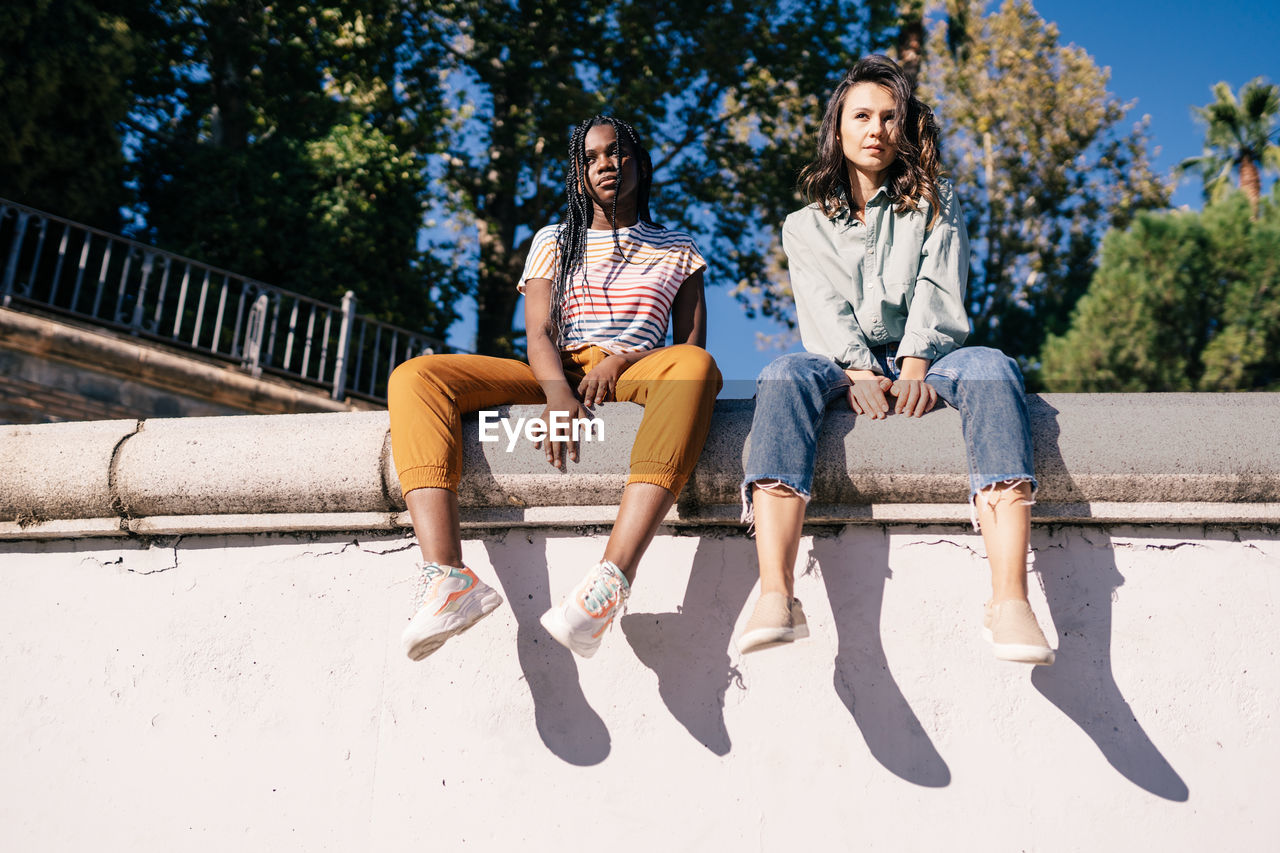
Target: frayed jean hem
998,486
769,484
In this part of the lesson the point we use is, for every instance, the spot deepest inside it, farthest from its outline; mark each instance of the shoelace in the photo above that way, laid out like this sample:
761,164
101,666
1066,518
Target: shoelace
606,588
431,572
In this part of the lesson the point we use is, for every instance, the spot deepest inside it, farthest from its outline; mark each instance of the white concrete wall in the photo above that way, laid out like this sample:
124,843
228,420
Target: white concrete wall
247,692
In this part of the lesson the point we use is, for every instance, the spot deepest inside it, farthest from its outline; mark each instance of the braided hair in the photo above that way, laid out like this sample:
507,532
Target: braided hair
571,239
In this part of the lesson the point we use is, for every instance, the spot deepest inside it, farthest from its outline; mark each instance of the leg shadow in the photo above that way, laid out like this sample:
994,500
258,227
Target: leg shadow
855,586
688,649
568,725
1078,585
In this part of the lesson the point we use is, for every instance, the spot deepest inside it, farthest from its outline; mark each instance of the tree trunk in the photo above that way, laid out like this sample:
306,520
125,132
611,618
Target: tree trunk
496,298
1250,182
911,42
496,294
233,33
958,30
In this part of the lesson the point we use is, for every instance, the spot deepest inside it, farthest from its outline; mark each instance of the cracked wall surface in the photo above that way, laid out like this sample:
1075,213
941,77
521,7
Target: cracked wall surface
205,691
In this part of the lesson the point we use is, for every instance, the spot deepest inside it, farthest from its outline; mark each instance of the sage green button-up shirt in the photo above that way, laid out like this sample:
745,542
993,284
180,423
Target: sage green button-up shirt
857,286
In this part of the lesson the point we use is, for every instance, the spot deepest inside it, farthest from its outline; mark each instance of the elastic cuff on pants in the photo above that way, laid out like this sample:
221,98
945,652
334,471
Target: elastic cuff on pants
427,477
658,474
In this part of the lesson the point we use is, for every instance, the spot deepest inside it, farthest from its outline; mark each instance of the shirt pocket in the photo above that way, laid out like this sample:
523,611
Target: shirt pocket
896,298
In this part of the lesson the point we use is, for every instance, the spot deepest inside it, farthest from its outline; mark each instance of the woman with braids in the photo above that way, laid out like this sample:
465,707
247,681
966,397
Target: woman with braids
879,261
600,289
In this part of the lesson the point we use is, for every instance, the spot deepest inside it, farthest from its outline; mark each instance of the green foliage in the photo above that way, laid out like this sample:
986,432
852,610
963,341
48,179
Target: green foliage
62,69
301,143
1238,138
276,141
1181,302
1033,142
726,93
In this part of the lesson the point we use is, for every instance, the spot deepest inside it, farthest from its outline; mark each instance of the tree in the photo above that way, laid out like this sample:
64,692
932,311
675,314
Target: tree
1181,301
910,43
729,118
1240,136
1033,141
63,65
282,141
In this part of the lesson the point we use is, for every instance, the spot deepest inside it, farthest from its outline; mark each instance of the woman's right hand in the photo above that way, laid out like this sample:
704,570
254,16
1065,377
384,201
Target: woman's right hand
572,409
866,394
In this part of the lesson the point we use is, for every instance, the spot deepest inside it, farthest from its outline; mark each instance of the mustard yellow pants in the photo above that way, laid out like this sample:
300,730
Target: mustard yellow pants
427,397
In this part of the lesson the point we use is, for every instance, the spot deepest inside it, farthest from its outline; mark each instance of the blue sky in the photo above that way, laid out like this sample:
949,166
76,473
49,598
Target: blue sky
1165,56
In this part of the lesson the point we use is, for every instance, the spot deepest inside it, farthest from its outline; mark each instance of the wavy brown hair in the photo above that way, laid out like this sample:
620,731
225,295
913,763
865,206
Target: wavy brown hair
912,176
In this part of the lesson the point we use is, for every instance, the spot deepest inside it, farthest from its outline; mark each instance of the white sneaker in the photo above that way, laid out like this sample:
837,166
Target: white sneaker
1012,630
580,621
774,621
449,601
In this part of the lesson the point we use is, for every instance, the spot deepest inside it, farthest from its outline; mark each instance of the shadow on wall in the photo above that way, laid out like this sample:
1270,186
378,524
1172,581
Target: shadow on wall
1079,589
566,722
1078,584
694,675
892,731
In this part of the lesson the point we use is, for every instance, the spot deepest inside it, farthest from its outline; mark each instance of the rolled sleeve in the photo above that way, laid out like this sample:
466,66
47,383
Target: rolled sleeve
691,261
826,319
936,321
543,257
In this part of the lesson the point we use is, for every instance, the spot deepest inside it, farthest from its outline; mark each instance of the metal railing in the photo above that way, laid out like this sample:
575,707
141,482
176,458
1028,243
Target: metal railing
53,264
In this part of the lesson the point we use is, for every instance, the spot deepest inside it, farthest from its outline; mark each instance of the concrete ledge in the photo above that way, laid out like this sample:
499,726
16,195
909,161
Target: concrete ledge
1099,458
269,464
62,473
484,520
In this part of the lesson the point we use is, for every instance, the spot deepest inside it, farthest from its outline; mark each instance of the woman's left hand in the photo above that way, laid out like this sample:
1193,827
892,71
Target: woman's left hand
914,395
600,383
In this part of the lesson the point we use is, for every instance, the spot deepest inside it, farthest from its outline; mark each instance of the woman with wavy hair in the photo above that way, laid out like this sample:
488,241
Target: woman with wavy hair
600,288
879,260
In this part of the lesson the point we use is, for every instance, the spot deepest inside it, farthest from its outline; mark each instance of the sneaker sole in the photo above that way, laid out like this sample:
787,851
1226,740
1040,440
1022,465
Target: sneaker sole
1019,653
767,638
427,645
560,631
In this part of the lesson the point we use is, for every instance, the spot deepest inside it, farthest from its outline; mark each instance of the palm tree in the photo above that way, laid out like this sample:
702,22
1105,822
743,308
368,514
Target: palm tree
1240,135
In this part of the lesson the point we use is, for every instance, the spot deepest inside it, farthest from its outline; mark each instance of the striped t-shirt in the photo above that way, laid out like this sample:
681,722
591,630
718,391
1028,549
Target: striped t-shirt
619,305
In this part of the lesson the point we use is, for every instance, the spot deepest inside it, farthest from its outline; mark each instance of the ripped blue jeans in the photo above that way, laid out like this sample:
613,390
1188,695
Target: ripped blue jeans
794,391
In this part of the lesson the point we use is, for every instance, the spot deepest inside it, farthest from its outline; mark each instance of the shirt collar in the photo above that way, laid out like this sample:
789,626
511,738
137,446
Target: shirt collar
882,191
845,214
